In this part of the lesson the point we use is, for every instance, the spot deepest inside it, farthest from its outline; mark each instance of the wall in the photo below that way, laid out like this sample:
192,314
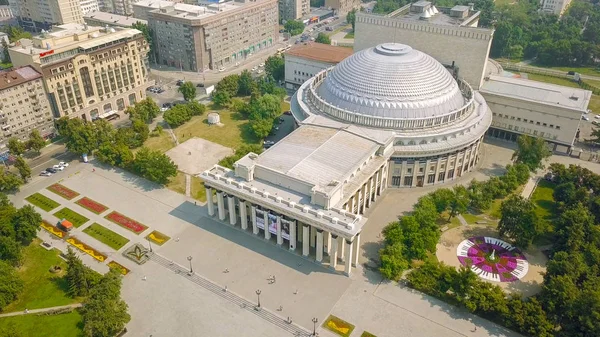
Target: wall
282,180
295,66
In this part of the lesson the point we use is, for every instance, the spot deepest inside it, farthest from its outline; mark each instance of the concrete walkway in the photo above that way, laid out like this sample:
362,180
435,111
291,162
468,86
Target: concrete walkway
37,311
530,187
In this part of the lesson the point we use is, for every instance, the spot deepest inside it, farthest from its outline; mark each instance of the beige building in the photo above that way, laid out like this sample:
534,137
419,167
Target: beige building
35,15
88,71
23,105
114,20
342,6
305,60
293,9
214,36
450,35
557,7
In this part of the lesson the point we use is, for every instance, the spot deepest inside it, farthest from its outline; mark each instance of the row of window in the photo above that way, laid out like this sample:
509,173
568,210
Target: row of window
530,121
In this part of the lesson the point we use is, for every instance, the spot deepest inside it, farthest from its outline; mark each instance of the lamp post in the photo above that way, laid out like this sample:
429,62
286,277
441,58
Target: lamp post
258,294
149,245
314,320
189,258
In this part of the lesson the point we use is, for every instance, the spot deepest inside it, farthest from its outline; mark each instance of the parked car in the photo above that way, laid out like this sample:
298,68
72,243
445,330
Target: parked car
596,123
329,29
597,116
281,31
571,72
221,69
254,68
289,112
51,170
166,105
65,164
270,142
58,167
585,118
281,120
45,174
200,85
180,82
163,109
261,65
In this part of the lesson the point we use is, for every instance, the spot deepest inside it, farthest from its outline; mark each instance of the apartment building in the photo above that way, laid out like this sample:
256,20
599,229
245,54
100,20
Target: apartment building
88,6
293,9
88,71
113,20
342,6
35,15
209,36
557,7
23,105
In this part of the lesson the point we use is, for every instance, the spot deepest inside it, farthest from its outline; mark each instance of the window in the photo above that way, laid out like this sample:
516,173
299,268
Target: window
544,124
558,127
431,178
441,176
409,170
421,169
537,123
450,174
408,181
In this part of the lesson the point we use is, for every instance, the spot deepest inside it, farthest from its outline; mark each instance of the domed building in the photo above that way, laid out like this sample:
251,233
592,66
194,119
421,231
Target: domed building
388,116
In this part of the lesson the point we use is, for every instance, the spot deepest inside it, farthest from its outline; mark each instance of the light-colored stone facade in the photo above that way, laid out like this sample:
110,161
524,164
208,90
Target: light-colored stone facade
23,105
42,14
342,6
88,71
88,6
293,9
466,47
304,61
557,7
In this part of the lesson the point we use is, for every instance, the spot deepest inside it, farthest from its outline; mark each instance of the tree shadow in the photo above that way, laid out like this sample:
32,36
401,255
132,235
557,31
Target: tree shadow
236,116
129,177
526,289
473,231
61,283
494,171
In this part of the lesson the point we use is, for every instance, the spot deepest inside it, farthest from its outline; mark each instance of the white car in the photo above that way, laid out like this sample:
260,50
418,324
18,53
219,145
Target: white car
221,69
58,167
597,117
163,109
261,65
585,118
63,164
45,174
237,64
254,68
260,71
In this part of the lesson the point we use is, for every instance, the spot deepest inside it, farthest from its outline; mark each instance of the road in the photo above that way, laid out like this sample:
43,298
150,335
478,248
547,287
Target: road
553,71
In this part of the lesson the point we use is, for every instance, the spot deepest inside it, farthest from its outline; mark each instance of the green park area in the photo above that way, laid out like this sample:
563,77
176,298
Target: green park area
42,202
75,218
594,101
106,236
177,184
63,325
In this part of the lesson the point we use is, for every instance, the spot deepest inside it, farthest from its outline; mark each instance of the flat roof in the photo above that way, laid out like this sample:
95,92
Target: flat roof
187,11
320,52
115,19
17,76
318,155
436,19
540,92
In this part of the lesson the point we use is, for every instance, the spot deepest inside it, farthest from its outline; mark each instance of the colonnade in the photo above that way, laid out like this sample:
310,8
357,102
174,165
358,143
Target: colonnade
316,242
366,195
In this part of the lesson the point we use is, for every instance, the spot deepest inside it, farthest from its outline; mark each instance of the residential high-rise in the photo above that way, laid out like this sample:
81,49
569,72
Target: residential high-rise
88,6
557,7
88,71
293,9
23,105
35,15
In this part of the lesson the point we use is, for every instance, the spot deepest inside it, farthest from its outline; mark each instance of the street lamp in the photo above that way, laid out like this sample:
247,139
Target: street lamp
258,294
314,320
149,245
189,258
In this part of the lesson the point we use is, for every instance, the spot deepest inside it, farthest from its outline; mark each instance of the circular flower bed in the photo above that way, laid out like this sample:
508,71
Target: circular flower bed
492,259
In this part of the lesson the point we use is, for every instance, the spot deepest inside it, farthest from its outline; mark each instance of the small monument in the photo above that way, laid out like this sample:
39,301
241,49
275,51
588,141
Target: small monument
214,118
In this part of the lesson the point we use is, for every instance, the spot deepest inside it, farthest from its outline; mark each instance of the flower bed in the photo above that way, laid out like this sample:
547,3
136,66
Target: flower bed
75,218
137,253
119,267
52,229
367,334
338,326
158,238
42,202
91,205
86,249
126,222
106,236
63,191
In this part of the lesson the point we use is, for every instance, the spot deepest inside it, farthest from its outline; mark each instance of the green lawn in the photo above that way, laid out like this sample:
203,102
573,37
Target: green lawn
177,183
162,143
75,218
43,289
582,70
63,325
593,83
42,202
349,35
554,80
106,236
472,219
543,199
198,190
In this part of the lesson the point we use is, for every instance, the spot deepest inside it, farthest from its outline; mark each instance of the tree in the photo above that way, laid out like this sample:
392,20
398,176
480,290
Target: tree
147,32
246,84
27,223
15,33
441,199
80,136
145,110
221,98
323,38
80,279
104,312
459,201
518,220
261,127
393,262
239,153
154,165
229,84
188,90
15,146
5,54
596,136
275,67
9,181
531,152
10,284
182,113
36,142
10,250
351,18
294,27
115,154
265,107
23,168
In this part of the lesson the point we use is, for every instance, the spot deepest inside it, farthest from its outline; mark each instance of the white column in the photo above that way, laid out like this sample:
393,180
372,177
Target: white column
341,248
253,217
243,214
351,203
279,237
327,242
305,241
266,218
209,201
292,235
370,192
376,182
348,268
333,251
382,184
231,206
365,192
313,236
300,234
319,245
221,205
356,245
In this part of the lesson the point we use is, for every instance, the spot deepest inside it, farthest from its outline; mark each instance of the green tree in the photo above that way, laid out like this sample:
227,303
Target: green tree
195,108
9,181
154,165
188,90
10,284
36,142
229,84
80,137
5,54
178,115
261,127
596,135
275,67
239,153
265,107
27,223
148,35
221,98
104,312
145,110
351,18
393,262
15,33
246,84
80,279
15,146
528,317
323,38
518,221
531,152
442,198
294,27
24,170
117,154
10,250
459,201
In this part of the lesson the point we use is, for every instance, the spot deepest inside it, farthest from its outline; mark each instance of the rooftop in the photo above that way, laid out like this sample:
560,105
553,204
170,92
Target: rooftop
540,92
113,19
17,76
320,52
182,10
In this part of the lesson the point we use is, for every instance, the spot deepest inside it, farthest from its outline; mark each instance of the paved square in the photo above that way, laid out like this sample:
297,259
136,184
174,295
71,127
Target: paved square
196,155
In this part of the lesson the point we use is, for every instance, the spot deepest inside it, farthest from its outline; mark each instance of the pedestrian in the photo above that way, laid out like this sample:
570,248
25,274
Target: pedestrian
177,240
26,311
144,278
273,278
225,290
195,204
93,170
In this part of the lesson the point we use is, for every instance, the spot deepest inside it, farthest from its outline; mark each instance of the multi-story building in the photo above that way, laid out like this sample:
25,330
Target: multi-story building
210,36
35,15
293,9
88,71
342,6
113,20
23,105
305,60
557,7
88,6
6,12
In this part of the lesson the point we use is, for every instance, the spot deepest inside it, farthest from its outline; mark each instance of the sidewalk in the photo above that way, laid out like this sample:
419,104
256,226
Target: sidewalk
37,311
530,187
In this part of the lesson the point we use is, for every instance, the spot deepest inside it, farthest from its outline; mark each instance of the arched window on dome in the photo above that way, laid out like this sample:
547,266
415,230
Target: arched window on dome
445,138
423,142
412,142
400,143
434,140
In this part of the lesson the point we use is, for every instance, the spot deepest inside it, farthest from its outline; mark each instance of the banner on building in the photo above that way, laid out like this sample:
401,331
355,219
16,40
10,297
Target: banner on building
285,229
260,219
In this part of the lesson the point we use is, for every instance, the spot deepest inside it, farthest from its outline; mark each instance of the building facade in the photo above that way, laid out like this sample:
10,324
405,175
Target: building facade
388,116
88,71
88,6
342,6
23,105
557,7
305,60
212,36
449,39
293,9
36,15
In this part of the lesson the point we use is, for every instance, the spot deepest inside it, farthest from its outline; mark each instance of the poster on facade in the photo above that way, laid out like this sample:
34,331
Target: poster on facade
273,224
285,229
260,219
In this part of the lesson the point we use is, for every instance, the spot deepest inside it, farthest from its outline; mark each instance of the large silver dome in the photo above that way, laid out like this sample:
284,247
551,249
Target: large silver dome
392,80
